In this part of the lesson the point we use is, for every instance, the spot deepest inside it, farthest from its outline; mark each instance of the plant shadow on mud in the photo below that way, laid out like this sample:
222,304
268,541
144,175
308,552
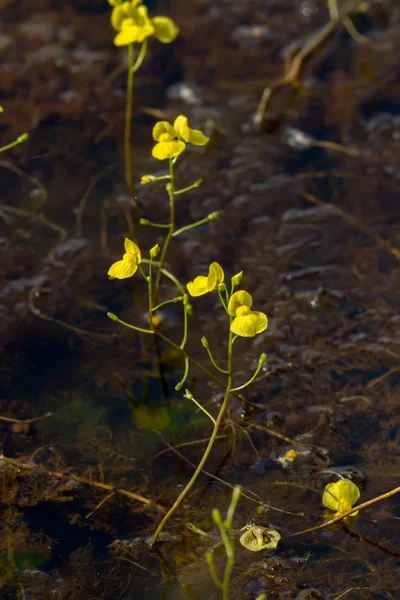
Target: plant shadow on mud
316,229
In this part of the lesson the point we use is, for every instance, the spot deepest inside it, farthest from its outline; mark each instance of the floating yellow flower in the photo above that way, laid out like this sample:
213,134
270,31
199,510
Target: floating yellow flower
133,24
172,139
129,264
202,285
256,538
246,322
340,496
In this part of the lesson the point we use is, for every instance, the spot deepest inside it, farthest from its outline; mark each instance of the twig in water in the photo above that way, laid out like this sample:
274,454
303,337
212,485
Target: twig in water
348,512
96,484
293,69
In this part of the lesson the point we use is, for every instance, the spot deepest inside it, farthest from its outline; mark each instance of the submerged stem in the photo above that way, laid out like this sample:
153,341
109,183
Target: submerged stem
207,451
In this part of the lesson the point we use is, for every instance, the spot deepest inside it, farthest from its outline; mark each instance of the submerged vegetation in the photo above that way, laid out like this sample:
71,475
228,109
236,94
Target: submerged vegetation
113,482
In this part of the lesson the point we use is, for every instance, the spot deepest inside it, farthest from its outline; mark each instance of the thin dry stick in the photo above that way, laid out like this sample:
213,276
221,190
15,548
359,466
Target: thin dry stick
382,377
245,492
37,217
349,512
88,192
295,65
357,223
26,421
101,503
32,180
97,484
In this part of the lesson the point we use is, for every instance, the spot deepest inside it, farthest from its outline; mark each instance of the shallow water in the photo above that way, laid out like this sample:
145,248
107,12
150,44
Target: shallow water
316,231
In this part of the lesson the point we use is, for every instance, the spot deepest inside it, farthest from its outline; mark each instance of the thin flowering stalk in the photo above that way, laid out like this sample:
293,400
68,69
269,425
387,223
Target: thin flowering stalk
171,194
207,451
128,122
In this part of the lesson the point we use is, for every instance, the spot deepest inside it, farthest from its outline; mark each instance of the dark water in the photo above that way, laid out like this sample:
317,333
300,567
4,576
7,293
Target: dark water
316,231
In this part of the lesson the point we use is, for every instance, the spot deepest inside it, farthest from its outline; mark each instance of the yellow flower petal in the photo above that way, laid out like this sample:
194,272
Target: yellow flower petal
161,128
340,496
217,271
131,33
199,286
164,150
118,15
122,269
258,538
237,299
192,136
165,29
202,285
249,325
132,248
181,127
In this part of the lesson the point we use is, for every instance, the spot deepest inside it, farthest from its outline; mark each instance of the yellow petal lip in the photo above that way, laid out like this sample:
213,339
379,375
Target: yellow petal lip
240,298
118,15
164,150
163,127
198,287
202,285
165,29
188,135
340,496
122,269
249,325
132,248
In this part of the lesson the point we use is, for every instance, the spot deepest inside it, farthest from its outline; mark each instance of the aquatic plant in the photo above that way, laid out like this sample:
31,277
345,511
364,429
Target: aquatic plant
225,527
242,320
133,25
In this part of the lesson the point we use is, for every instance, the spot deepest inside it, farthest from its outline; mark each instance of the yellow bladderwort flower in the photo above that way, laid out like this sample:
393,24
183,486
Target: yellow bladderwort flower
246,322
202,285
256,537
172,139
168,145
129,264
340,496
133,23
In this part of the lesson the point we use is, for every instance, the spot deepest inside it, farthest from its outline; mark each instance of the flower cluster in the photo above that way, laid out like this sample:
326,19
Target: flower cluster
172,139
245,322
134,25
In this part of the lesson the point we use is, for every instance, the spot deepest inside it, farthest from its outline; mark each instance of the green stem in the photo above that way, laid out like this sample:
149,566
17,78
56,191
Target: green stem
210,217
211,357
115,318
20,140
179,385
185,323
194,185
173,301
167,274
190,396
151,224
171,193
210,562
207,451
140,58
262,360
222,300
128,123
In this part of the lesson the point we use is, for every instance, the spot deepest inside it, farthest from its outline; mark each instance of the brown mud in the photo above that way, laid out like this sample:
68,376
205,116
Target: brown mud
309,210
